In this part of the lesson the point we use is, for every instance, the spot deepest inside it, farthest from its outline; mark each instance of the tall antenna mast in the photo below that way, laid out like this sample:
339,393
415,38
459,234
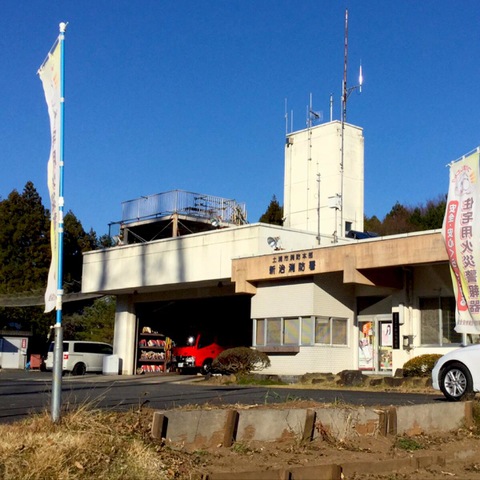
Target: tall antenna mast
345,93
345,57
344,116
286,118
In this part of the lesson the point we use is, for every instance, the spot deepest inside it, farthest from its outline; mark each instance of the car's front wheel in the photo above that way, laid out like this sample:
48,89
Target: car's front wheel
207,366
456,382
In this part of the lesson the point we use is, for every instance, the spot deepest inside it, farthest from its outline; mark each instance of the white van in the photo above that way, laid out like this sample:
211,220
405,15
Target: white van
80,357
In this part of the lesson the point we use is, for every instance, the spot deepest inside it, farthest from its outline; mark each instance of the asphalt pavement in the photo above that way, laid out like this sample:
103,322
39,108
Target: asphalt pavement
26,392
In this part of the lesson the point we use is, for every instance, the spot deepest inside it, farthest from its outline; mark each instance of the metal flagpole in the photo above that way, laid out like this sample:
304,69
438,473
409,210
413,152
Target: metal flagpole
58,350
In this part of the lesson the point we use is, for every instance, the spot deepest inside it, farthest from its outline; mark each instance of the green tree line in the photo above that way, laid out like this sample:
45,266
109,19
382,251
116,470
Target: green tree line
405,219
400,219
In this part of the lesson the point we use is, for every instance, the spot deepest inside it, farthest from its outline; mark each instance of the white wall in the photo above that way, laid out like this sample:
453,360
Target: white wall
313,168
182,260
324,297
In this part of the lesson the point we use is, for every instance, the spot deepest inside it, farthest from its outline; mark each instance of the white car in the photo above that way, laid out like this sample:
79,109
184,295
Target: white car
80,357
457,373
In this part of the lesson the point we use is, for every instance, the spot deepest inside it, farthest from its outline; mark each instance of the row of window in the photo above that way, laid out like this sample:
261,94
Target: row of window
437,327
301,331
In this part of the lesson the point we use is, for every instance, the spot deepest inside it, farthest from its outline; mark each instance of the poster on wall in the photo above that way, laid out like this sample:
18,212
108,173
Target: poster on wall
386,334
365,347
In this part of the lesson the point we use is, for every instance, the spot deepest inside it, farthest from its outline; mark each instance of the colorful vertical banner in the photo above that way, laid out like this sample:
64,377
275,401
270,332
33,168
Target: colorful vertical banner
461,233
50,75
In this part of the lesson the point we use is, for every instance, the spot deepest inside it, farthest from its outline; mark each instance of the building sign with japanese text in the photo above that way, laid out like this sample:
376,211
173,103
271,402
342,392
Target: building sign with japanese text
292,263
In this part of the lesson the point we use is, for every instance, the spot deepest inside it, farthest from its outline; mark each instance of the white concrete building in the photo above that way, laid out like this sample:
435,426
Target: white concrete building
320,302
324,189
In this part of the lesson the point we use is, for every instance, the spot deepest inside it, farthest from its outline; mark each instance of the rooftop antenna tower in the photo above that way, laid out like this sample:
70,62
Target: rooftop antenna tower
346,91
312,115
286,118
331,106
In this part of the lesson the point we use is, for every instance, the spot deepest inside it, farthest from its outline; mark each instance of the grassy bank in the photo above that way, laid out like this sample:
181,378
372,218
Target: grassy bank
89,443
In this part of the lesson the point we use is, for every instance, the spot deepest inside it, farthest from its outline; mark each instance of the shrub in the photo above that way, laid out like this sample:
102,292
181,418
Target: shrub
240,360
420,366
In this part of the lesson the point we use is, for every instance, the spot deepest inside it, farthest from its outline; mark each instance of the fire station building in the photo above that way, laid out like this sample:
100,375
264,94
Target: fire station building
317,294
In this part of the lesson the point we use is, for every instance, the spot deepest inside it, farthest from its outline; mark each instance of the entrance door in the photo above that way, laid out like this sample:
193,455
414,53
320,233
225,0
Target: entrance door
375,344
385,346
366,346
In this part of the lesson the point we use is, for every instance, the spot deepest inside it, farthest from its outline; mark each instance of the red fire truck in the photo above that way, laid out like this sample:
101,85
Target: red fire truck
197,354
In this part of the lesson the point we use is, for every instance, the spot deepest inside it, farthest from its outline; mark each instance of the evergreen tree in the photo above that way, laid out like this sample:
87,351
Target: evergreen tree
105,241
372,224
24,257
24,241
75,242
398,220
95,322
404,219
431,216
273,214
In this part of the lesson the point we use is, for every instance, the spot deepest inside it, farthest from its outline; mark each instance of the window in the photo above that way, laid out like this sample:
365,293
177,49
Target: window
438,321
274,331
51,347
291,330
277,331
301,331
331,331
307,331
206,339
260,332
322,330
100,348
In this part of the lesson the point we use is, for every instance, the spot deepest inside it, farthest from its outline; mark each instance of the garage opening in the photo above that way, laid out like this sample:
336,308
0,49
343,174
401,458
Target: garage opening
164,325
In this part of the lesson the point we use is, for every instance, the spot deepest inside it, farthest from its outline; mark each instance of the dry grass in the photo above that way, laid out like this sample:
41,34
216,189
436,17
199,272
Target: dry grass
88,443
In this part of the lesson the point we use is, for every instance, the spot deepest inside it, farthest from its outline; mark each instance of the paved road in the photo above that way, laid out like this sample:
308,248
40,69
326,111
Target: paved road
24,392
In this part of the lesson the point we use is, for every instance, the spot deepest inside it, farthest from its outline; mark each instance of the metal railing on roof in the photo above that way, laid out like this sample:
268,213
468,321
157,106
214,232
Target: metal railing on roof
186,203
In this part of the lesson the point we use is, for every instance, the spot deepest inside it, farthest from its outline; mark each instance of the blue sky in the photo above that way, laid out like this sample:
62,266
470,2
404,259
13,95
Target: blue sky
164,95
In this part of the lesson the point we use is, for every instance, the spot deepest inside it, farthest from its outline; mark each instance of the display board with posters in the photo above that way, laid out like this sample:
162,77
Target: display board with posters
366,352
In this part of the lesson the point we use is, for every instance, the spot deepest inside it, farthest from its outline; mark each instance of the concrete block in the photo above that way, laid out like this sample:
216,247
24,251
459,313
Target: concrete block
343,423
309,428
257,475
197,428
271,425
428,418
317,472
202,428
392,421
159,425
397,465
231,426
425,461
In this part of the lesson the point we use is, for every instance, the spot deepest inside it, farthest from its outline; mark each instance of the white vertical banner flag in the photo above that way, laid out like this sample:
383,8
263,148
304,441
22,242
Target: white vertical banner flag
461,233
50,73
